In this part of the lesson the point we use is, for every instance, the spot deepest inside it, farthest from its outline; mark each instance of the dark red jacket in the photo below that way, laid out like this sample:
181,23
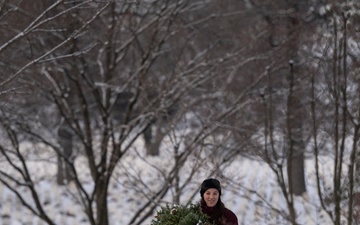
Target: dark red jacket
229,217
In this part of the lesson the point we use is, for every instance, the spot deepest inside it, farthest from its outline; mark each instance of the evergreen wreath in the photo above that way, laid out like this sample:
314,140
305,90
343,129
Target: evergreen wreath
181,215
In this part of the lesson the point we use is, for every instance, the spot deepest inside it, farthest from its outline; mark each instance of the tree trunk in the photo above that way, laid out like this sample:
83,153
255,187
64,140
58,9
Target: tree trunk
297,107
295,165
153,140
356,194
297,174
101,202
65,174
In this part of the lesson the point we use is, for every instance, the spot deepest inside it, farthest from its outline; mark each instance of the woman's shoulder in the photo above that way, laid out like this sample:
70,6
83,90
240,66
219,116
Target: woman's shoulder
229,211
231,216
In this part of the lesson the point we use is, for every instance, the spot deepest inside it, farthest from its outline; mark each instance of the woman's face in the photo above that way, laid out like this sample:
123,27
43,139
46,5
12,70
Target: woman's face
211,197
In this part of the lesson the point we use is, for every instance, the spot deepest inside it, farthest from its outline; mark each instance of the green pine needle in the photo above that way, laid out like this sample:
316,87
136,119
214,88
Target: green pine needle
181,215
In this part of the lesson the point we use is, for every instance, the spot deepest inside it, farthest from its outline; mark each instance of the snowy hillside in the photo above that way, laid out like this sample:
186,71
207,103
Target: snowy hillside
263,207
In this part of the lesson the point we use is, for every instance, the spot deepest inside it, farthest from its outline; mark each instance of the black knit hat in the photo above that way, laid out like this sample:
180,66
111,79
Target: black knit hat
210,183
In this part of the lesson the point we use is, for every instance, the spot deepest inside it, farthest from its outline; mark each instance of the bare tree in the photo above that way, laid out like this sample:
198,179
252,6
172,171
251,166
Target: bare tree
88,79
343,113
289,26
106,73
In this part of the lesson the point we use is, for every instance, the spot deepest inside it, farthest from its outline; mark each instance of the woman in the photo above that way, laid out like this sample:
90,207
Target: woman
212,205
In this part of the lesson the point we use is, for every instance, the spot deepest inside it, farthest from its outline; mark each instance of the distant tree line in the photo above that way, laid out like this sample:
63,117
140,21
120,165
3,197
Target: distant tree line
274,80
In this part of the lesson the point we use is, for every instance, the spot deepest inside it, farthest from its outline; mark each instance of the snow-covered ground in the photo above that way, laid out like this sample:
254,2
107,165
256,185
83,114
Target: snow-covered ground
251,192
